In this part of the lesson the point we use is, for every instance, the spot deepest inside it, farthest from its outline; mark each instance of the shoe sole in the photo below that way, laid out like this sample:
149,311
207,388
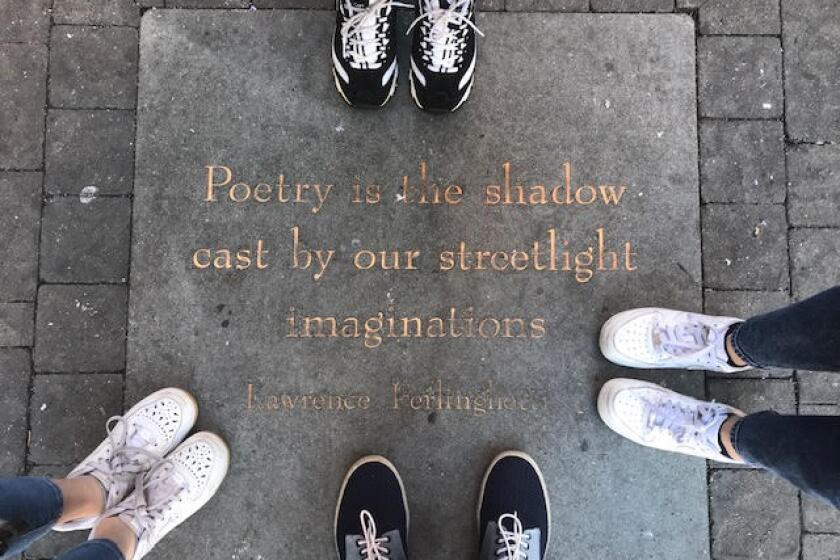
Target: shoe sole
364,461
608,416
536,467
191,404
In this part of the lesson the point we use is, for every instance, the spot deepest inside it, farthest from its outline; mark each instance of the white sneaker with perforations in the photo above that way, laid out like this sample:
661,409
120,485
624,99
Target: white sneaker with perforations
173,490
654,416
136,441
653,337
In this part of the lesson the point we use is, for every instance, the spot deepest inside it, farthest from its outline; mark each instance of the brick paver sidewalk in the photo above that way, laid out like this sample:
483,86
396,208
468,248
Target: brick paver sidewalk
769,134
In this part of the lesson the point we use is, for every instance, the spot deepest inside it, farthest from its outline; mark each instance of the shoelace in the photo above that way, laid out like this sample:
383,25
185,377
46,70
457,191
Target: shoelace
370,546
361,40
126,461
161,481
444,50
684,338
514,542
687,424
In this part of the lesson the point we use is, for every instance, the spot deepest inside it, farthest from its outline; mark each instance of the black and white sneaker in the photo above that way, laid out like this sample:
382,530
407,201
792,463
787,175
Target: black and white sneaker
371,520
513,511
443,53
364,51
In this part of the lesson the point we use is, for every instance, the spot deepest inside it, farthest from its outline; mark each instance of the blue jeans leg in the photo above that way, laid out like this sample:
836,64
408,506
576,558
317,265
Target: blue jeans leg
29,507
98,549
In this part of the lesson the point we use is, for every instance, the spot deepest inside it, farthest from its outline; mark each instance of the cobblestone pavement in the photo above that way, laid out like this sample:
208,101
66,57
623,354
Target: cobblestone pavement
769,135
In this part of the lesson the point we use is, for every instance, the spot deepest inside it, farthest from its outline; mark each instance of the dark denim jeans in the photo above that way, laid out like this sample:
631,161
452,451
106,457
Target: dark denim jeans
805,335
802,449
29,507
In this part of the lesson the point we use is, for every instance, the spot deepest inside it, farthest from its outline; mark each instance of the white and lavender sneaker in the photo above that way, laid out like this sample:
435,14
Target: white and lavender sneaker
654,416
137,440
173,490
652,337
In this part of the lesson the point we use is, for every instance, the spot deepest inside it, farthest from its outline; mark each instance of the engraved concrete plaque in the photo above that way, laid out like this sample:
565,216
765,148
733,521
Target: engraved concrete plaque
332,282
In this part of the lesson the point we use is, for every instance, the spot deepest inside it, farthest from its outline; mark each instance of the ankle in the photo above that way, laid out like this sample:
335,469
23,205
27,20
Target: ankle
82,497
726,430
117,531
734,358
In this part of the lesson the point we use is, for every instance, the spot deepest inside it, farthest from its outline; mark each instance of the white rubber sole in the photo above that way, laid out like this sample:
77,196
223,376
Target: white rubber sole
189,407
364,461
536,467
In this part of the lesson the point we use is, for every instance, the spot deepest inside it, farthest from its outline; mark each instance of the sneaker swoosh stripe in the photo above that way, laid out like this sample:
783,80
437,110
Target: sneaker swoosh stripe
340,69
386,77
465,80
417,73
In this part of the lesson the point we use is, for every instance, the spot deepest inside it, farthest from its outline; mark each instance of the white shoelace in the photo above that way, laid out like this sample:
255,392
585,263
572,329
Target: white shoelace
514,542
371,547
682,339
364,33
444,46
153,496
693,425
128,456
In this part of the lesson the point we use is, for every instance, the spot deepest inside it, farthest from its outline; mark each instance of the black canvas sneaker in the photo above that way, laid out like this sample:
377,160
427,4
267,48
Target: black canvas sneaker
365,51
371,520
443,53
513,511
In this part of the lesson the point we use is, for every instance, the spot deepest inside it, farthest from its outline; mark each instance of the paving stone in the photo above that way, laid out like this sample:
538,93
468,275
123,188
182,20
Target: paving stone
820,547
491,5
206,3
632,5
296,4
76,138
815,257
812,69
754,514
24,21
54,543
817,515
742,161
93,67
740,77
80,328
14,378
68,415
746,304
96,12
23,78
818,388
150,3
85,242
614,486
744,247
813,185
20,224
547,5
16,324
741,17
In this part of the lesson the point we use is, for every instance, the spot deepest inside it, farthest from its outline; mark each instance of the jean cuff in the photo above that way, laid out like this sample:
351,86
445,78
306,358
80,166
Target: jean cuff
101,549
734,329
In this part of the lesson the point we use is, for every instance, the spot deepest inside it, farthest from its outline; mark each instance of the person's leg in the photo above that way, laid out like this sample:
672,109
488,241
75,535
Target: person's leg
30,507
98,549
805,335
804,450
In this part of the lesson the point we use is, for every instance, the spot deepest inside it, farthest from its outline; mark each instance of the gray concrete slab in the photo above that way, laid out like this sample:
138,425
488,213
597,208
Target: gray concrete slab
23,86
253,91
813,186
14,375
745,17
16,324
815,260
812,69
24,22
20,226
96,12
